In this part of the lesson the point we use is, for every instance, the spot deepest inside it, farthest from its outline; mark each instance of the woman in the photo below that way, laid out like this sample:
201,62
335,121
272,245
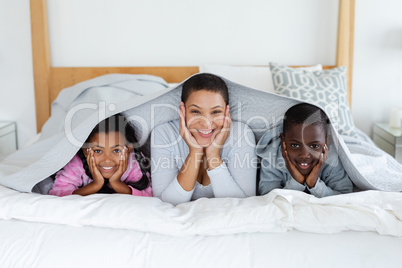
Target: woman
203,154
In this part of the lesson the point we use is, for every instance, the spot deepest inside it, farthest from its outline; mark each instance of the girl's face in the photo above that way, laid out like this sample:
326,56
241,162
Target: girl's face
205,112
304,144
107,148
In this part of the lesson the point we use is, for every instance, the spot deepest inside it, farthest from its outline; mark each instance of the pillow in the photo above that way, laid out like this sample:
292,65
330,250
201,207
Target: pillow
326,88
257,77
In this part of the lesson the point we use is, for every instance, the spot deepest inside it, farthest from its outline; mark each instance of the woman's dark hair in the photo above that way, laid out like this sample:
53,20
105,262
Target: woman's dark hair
307,114
205,81
118,123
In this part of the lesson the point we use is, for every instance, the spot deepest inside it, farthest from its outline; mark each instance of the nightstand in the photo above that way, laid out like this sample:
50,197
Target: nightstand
8,137
388,139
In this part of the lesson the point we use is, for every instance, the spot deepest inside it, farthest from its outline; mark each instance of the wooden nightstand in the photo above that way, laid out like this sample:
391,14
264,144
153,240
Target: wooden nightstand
388,139
8,137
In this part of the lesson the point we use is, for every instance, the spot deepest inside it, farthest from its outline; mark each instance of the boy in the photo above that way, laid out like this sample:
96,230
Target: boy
300,158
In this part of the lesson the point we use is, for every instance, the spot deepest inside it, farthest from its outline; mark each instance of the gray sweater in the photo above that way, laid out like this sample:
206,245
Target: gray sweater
235,177
274,174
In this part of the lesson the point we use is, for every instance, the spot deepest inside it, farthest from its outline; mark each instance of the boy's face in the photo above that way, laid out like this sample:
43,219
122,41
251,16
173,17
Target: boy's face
304,144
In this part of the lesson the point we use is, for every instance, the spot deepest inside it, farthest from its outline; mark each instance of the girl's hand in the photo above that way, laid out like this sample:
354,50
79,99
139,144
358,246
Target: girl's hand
116,177
312,178
214,149
96,175
291,167
185,132
115,180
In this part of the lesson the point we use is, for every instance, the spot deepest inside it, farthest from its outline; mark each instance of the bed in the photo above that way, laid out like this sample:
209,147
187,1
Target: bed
363,228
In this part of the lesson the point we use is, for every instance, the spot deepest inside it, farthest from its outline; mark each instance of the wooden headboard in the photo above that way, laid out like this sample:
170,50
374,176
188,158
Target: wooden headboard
49,81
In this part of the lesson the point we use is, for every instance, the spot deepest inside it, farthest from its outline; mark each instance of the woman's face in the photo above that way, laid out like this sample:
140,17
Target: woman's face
205,113
107,148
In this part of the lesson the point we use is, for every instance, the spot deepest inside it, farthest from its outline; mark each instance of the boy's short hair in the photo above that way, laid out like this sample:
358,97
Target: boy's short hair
304,113
205,81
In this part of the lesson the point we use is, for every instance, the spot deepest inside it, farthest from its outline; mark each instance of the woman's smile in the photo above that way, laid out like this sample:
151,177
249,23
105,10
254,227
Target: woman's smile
205,133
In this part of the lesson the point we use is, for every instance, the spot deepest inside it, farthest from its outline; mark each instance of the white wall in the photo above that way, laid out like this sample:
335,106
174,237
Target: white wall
377,77
17,102
182,32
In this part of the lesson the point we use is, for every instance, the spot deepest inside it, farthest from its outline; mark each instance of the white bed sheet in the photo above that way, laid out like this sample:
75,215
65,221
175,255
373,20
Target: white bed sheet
362,229
26,244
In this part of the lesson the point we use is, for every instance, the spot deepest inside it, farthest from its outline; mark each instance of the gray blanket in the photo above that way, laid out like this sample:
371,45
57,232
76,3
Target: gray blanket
147,102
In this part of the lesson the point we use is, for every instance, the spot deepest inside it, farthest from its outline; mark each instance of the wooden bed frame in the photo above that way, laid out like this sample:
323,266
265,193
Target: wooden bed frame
49,81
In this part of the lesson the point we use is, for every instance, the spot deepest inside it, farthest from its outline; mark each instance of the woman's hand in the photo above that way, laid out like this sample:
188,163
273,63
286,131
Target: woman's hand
186,134
294,172
312,178
213,151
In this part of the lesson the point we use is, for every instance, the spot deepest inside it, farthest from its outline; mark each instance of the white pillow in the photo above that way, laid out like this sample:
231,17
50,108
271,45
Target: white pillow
257,77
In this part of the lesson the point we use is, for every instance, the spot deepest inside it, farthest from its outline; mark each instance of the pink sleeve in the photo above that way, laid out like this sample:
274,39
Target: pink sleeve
146,192
69,179
134,174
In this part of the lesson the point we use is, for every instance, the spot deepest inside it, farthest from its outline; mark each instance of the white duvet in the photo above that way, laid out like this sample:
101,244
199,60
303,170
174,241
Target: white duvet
277,212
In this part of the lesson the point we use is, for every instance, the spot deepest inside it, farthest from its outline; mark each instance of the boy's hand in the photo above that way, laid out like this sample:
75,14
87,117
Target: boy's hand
312,178
292,168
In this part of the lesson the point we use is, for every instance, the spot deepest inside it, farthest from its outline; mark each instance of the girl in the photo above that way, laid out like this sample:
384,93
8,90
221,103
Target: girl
203,153
107,163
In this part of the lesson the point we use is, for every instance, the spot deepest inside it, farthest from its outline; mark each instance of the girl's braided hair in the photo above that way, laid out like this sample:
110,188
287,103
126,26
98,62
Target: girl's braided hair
118,123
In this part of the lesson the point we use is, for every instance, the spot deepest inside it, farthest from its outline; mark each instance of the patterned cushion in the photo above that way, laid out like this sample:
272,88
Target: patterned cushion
325,88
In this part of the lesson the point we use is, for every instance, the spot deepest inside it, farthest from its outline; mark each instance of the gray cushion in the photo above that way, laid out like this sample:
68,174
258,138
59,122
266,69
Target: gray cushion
326,88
